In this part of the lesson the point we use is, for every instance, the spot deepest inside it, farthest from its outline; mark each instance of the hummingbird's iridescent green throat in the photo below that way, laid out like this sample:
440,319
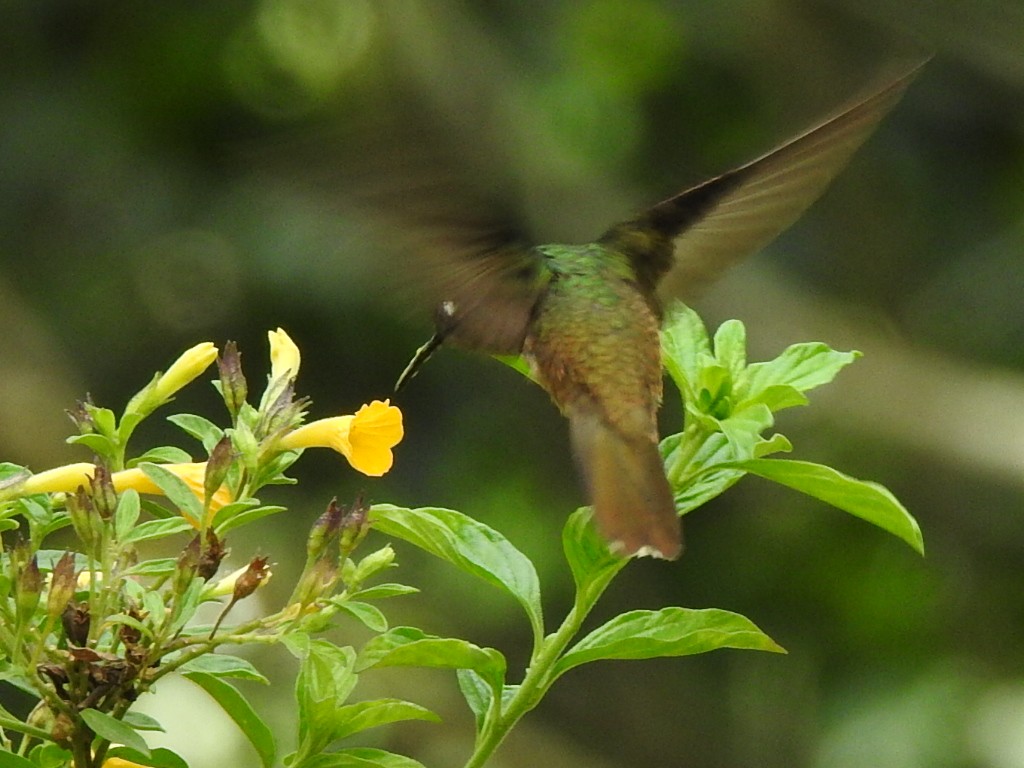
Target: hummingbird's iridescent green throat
586,317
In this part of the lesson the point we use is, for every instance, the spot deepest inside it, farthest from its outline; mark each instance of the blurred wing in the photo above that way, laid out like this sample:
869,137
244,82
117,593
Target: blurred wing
716,224
484,282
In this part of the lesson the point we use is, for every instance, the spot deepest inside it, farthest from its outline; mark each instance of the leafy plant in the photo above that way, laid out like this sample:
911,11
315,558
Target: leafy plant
88,632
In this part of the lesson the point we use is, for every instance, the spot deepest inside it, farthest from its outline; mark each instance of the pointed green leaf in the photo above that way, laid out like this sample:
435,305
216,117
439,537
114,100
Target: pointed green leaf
683,340
325,680
163,566
363,715
224,665
801,366
158,758
370,615
175,489
98,444
114,730
471,546
239,710
241,513
140,721
203,430
158,529
364,758
667,632
868,501
477,693
411,647
166,454
127,513
381,591
588,555
361,757
731,346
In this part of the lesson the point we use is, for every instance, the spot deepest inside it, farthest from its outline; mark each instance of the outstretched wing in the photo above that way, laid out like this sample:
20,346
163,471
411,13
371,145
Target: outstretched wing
698,234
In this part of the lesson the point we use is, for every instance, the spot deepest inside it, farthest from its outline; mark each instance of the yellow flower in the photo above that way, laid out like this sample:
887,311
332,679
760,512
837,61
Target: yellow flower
120,762
284,355
365,439
66,479
187,367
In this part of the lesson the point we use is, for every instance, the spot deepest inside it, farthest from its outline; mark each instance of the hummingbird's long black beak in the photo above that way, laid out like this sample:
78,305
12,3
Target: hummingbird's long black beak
444,322
421,356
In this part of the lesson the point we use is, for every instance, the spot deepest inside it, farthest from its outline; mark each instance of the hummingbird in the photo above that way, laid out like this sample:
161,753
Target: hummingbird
586,317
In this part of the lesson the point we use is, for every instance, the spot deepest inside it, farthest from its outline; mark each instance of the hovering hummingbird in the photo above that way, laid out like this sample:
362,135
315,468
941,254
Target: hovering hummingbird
586,317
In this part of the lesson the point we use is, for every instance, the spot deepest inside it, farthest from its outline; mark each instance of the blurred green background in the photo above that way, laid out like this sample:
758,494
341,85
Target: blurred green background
176,172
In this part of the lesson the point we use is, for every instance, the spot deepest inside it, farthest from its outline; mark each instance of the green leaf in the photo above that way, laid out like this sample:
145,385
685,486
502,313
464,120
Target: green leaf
165,454
370,615
50,756
325,680
186,605
127,513
175,489
203,430
140,721
588,555
158,758
667,632
801,366
158,529
411,647
98,444
163,566
113,730
239,710
361,757
684,339
224,665
102,418
866,500
381,591
477,693
240,513
469,545
353,718
731,346
11,760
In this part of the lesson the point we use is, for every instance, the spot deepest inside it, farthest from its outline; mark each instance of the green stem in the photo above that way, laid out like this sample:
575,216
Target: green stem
540,674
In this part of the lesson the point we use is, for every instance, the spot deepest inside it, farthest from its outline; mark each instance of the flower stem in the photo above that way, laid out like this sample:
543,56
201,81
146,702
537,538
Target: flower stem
540,675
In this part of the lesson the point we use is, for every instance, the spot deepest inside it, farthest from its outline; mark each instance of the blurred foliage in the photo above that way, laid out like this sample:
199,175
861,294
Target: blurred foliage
177,171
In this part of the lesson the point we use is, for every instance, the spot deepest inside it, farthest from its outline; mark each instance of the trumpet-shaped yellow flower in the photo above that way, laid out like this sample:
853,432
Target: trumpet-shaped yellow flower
284,355
66,479
365,439
185,369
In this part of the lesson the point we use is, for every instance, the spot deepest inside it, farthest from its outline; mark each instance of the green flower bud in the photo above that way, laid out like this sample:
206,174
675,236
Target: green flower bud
233,387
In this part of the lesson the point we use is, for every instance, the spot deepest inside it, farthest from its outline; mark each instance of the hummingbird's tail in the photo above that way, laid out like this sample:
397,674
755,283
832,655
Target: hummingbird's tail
633,503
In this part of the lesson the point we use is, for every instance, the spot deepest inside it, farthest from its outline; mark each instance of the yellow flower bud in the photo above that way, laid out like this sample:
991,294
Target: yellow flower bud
365,439
284,355
64,479
226,586
186,368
